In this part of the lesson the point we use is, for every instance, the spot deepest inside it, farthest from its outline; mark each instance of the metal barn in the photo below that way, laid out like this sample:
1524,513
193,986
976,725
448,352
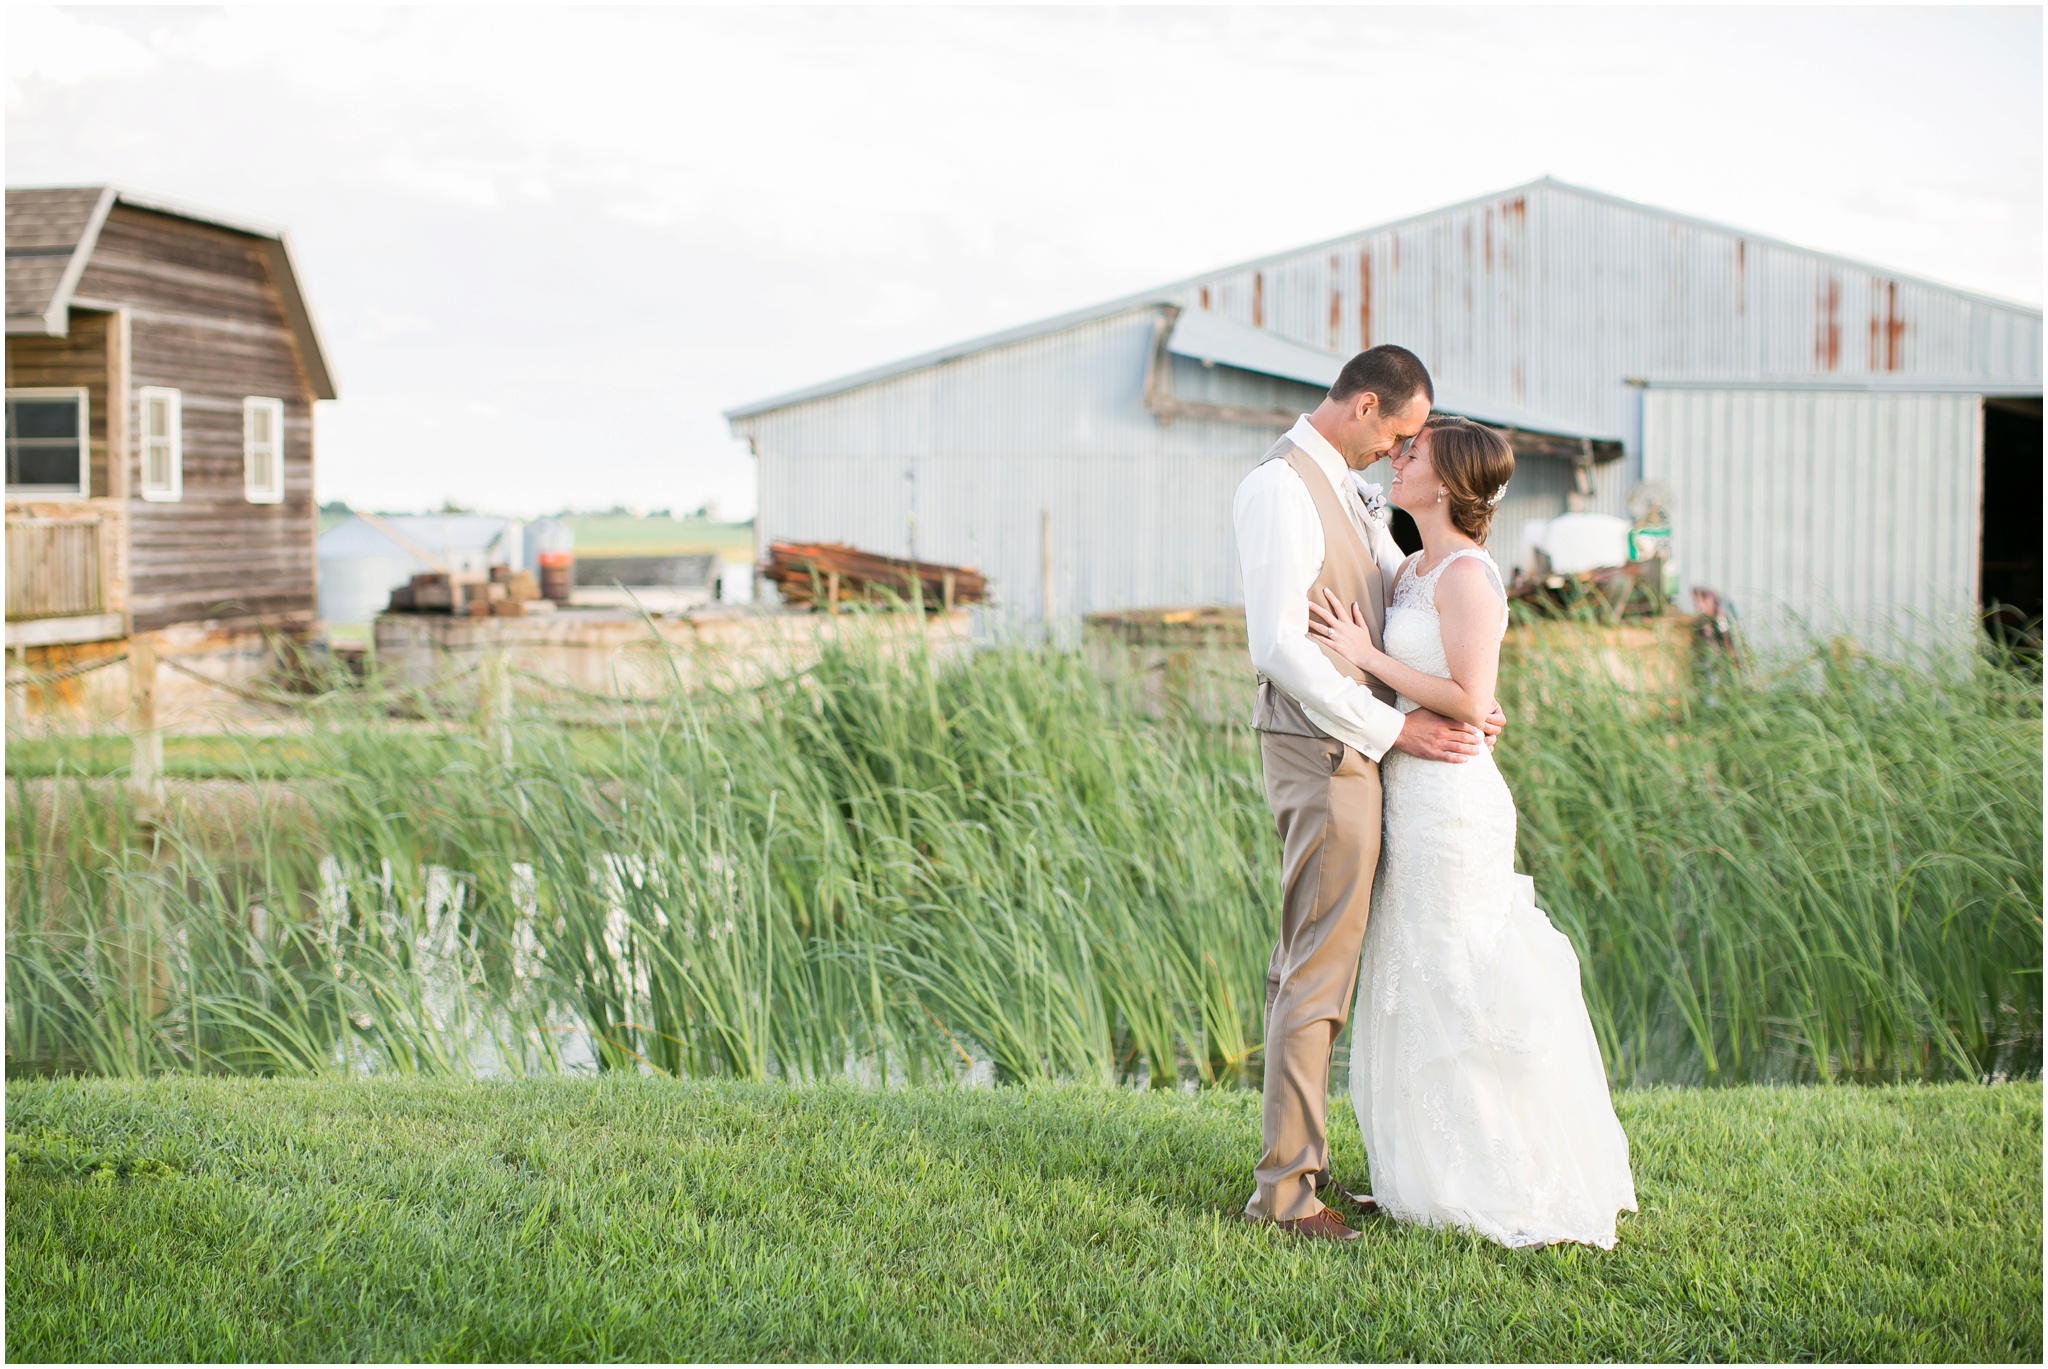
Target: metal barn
1841,443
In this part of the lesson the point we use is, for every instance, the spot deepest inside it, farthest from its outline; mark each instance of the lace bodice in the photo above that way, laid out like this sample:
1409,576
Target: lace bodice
1414,635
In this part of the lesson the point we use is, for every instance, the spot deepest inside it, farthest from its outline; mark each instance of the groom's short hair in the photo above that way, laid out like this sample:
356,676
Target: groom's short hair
1393,373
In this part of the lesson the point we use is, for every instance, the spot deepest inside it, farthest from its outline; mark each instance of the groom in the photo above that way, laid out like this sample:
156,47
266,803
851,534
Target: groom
1323,727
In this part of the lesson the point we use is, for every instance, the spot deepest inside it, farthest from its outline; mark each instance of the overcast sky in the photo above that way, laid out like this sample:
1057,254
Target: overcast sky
548,246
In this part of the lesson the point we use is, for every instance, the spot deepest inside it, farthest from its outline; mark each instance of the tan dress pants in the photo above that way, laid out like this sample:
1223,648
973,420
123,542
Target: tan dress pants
1325,799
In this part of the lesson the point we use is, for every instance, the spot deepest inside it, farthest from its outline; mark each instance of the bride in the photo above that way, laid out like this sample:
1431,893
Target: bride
1475,1074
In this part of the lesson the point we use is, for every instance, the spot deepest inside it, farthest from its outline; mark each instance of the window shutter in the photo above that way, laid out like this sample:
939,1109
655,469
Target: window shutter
163,444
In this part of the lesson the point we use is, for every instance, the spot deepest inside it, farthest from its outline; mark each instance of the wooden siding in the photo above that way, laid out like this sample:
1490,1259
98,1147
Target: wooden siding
80,358
44,560
55,568
205,319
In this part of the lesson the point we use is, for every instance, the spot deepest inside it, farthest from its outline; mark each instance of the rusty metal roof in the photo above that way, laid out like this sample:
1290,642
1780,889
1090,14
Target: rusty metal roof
1283,295
1212,339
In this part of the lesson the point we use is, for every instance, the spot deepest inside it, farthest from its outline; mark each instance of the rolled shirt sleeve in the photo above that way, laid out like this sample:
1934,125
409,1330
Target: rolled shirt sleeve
1280,551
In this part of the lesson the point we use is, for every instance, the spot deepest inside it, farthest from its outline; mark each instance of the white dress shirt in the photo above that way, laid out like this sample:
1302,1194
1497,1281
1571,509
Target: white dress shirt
1280,547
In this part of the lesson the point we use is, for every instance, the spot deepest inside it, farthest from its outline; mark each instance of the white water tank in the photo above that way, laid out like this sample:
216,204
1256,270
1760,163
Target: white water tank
1578,542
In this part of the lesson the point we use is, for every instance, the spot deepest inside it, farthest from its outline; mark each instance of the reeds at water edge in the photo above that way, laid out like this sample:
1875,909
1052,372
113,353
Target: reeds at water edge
896,865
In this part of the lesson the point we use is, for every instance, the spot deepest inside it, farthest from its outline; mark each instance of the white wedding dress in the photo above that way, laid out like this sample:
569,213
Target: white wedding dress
1474,1069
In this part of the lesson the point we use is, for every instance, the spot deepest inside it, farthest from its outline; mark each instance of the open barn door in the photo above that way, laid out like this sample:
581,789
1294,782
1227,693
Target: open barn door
2009,552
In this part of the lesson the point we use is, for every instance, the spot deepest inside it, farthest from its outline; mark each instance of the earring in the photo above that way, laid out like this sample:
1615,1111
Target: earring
1439,494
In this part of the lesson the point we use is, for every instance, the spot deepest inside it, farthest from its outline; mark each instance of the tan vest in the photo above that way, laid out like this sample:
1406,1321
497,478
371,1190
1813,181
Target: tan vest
1349,572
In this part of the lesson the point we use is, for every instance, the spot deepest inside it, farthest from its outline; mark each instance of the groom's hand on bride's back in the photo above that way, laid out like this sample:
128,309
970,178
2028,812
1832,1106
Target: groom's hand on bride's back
1433,737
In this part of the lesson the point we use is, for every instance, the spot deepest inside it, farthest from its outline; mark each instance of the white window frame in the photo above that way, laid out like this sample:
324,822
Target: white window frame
274,492
172,443
84,398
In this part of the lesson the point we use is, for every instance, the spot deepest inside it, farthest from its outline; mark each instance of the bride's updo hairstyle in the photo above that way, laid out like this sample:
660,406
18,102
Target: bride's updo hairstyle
1474,464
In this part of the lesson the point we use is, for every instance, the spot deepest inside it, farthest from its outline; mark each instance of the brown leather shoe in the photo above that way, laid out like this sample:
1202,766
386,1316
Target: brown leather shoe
1324,1225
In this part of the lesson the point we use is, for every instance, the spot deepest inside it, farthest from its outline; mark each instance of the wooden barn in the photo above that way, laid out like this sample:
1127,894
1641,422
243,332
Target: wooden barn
162,368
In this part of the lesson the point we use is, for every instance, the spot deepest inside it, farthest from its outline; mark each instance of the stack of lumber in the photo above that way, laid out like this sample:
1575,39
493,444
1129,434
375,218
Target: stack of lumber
826,574
504,593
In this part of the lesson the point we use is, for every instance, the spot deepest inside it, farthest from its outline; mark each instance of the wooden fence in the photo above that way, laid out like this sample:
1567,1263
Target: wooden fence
54,568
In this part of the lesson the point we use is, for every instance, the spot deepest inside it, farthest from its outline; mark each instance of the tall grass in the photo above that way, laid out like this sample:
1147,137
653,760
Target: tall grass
895,866
1832,869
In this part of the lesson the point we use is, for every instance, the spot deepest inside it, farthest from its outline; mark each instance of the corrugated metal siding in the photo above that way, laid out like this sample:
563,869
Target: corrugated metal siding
1546,299
1850,511
1539,490
958,462
1550,299
1227,385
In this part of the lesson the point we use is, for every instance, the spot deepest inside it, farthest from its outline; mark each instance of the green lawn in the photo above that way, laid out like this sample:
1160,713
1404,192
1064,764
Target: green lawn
632,1218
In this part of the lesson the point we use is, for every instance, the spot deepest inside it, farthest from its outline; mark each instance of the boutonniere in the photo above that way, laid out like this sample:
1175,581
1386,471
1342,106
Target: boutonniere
1373,497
